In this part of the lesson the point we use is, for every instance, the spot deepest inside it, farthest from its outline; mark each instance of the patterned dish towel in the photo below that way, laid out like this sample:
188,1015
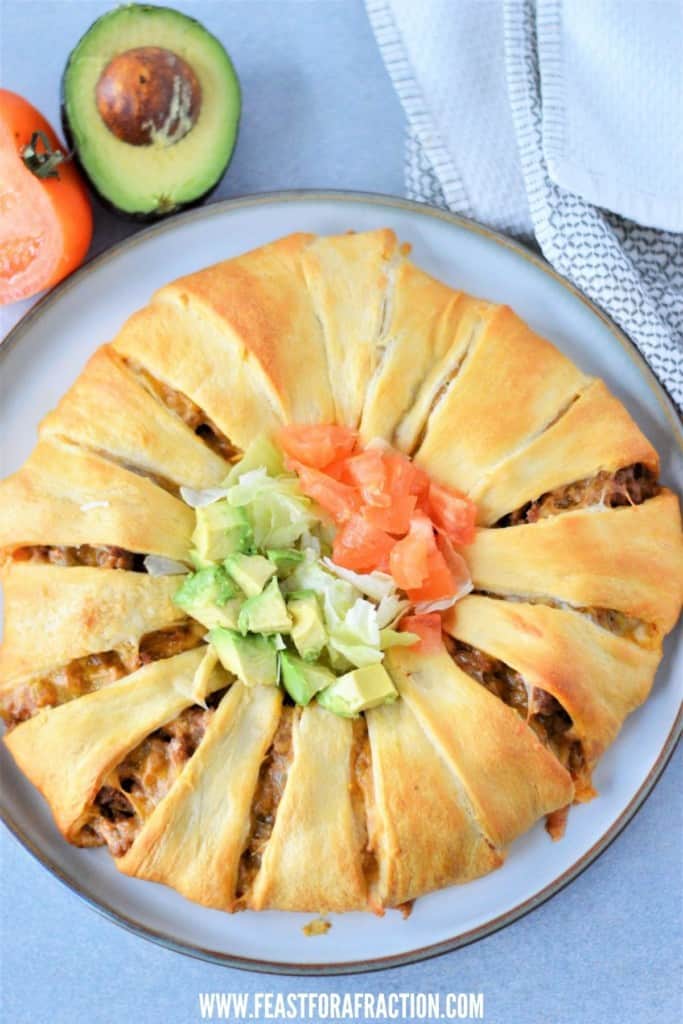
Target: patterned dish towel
482,134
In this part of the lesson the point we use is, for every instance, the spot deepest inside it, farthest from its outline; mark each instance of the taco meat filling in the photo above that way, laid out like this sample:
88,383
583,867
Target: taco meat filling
630,486
134,788
363,797
269,789
189,412
98,556
94,671
540,709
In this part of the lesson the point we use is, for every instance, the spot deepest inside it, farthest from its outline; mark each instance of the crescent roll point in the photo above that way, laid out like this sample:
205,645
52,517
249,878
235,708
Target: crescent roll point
233,796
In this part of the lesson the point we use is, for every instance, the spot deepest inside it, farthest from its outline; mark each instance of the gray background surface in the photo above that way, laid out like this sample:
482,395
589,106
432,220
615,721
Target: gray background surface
319,111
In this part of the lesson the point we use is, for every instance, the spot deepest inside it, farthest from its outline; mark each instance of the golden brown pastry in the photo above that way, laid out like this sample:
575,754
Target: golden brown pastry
65,495
226,790
109,410
76,613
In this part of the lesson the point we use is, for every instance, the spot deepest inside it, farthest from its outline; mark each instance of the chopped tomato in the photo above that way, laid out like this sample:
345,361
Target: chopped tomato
404,477
388,510
427,627
46,217
339,500
457,566
439,583
368,472
361,546
395,518
409,559
317,445
453,513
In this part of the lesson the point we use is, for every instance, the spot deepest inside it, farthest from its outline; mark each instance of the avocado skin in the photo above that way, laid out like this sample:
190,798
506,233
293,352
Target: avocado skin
153,215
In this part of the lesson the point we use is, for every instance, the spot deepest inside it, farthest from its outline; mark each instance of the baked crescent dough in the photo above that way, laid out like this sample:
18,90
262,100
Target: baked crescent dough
228,791
66,495
629,559
194,839
429,329
596,676
76,612
349,281
315,824
511,386
595,434
108,410
186,352
67,751
510,779
423,829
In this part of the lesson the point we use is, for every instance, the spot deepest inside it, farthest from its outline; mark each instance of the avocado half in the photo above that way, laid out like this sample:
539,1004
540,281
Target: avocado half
150,106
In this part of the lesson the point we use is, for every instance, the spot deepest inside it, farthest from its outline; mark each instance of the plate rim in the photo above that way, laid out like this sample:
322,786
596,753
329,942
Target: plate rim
455,942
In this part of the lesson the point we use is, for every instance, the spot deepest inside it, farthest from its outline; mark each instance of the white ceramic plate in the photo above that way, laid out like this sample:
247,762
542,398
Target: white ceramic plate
46,352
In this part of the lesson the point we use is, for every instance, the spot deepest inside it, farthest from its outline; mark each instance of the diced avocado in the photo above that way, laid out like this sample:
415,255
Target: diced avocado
261,454
360,690
197,560
253,659
209,596
250,572
338,661
220,531
285,559
265,613
308,627
301,680
151,104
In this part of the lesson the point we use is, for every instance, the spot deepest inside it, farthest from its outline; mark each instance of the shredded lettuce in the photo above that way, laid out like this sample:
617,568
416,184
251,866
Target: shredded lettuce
261,453
376,585
279,513
357,636
201,498
158,565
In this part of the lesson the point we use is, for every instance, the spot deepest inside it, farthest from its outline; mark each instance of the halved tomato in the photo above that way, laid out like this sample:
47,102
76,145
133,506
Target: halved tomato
318,444
409,560
362,547
339,500
45,214
427,627
453,513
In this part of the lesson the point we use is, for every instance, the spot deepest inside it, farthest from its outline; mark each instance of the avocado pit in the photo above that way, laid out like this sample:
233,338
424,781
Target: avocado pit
148,96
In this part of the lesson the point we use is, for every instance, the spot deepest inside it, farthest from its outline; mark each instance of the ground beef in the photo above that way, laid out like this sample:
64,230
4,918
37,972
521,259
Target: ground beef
189,412
630,486
83,675
495,675
363,797
540,709
135,787
94,671
165,643
269,789
99,556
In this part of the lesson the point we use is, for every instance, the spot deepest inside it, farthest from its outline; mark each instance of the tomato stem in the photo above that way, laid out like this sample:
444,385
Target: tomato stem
44,162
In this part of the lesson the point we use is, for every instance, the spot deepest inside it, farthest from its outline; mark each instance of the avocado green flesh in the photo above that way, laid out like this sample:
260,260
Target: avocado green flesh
152,179
220,531
308,628
253,659
301,680
265,613
359,690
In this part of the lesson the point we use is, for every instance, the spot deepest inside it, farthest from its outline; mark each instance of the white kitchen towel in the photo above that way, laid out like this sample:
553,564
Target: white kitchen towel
612,88
467,73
